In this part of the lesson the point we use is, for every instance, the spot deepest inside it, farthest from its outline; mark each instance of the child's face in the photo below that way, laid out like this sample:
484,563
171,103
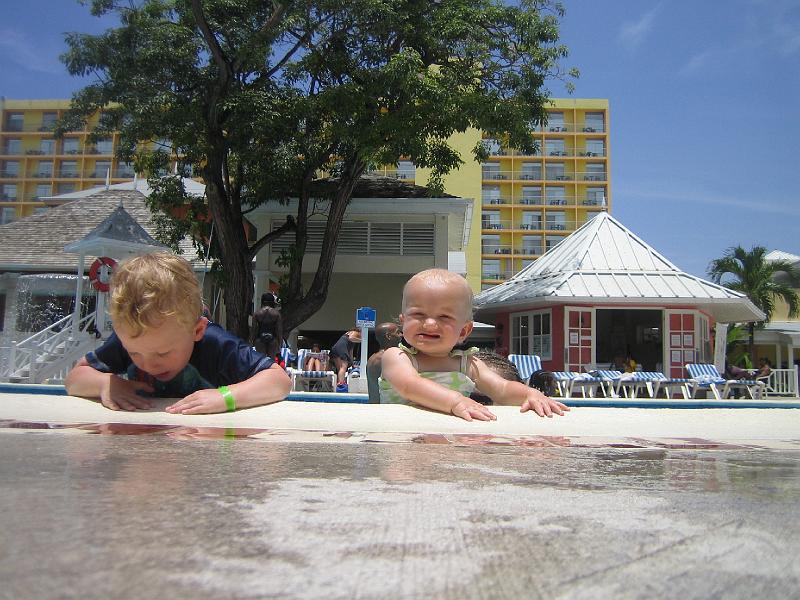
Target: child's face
435,317
165,350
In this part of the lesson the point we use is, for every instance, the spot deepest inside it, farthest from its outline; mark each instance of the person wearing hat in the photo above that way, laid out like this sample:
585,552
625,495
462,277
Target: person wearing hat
267,330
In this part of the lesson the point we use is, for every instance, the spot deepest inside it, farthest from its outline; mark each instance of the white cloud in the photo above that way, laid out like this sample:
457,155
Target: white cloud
748,205
633,33
18,48
697,63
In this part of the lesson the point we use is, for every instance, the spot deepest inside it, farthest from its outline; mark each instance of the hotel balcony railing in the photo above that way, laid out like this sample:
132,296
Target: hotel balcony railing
495,250
558,201
29,127
547,175
68,175
42,175
497,276
496,201
9,175
552,153
496,225
7,198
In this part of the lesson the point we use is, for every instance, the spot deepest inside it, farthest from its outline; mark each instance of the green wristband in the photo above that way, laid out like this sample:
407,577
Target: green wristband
227,395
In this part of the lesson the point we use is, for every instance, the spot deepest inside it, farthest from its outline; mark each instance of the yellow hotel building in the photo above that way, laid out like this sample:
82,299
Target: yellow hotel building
523,203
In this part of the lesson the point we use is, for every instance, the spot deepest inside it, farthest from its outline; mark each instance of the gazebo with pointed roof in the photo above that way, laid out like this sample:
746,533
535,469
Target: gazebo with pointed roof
602,292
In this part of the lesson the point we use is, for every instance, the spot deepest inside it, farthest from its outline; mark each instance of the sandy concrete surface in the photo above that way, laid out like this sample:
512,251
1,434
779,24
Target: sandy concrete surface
602,503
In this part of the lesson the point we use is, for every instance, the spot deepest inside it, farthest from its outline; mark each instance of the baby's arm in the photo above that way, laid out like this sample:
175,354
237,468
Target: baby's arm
265,387
397,369
514,393
114,392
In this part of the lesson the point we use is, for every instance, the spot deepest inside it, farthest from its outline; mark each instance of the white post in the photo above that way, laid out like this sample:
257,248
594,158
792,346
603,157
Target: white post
76,315
720,342
364,351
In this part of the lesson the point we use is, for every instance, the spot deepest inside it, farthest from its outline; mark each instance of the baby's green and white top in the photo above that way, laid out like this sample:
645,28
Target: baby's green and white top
453,380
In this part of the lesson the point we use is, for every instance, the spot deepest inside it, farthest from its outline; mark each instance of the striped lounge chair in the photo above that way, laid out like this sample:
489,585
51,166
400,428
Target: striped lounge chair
307,380
569,381
527,364
707,377
609,379
631,384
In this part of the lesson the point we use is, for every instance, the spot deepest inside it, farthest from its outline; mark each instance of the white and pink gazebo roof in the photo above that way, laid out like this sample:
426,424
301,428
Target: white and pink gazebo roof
603,262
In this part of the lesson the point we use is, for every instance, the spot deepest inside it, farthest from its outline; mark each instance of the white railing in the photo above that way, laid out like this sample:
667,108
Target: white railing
46,351
782,382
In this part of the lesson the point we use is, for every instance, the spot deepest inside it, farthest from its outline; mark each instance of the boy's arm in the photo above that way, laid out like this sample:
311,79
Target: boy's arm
265,387
113,391
513,393
397,369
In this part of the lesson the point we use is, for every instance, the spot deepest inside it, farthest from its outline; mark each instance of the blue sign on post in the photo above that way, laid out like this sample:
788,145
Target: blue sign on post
365,317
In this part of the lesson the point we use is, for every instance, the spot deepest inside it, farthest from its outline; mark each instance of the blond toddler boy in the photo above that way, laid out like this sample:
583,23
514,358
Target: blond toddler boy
165,347
437,316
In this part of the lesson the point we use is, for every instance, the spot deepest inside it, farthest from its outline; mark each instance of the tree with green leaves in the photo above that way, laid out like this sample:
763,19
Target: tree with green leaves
262,97
761,280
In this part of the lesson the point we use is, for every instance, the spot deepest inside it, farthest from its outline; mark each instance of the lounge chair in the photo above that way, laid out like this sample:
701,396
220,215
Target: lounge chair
527,364
568,382
309,379
630,384
706,377
609,379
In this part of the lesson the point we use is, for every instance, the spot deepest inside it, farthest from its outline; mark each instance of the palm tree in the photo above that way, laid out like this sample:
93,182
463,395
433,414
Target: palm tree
754,276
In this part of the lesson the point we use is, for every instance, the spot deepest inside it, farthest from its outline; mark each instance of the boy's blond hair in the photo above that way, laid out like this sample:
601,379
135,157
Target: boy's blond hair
146,290
443,277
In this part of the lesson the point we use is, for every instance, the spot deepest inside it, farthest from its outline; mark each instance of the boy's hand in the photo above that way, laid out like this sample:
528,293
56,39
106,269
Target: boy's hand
200,402
542,405
121,394
468,410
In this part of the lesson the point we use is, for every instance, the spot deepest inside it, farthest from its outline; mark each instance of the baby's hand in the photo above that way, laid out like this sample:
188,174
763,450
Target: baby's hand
199,403
123,394
542,405
468,410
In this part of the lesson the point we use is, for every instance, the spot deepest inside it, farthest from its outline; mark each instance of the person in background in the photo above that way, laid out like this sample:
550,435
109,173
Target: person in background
266,332
764,368
388,336
163,346
313,360
436,317
500,365
342,354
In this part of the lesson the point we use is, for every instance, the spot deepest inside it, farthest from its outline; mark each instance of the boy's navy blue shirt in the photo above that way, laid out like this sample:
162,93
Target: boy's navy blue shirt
219,358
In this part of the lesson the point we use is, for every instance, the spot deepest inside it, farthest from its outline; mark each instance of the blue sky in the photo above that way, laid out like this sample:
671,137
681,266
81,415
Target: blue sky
704,99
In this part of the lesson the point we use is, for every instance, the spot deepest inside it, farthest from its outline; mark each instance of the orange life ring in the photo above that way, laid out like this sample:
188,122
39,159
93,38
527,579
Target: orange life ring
97,277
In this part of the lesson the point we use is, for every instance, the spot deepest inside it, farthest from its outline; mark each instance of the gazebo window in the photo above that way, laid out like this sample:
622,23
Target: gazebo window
531,333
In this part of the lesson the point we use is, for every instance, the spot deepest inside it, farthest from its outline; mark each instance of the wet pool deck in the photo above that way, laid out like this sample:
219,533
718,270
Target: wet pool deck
309,500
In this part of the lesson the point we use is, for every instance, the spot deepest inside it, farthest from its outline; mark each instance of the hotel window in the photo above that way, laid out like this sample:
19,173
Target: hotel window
556,195
105,146
69,168
555,147
72,145
595,148
556,221
490,171
66,188
7,215
491,269
45,168
43,190
49,121
594,121
47,146
556,172
10,168
15,121
595,196
102,168
490,244
125,169
406,170
531,244
595,172
551,240
491,220
555,121
531,195
531,171
531,220
531,334
8,192
14,146
490,194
